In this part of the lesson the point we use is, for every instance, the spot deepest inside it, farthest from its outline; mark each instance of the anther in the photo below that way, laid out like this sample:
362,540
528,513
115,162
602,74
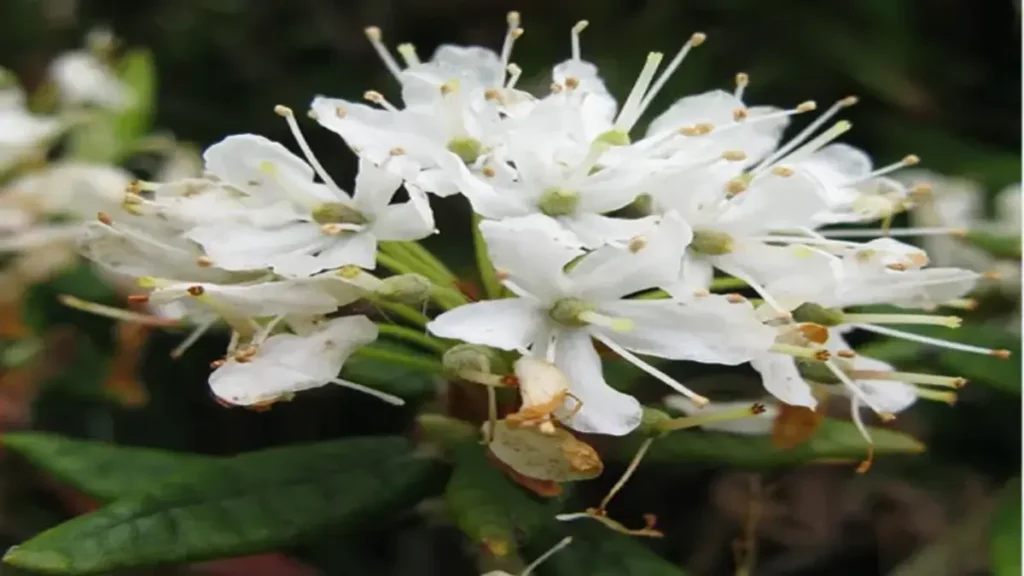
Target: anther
397,151
734,155
488,172
808,106
783,171
204,262
572,82
991,275
105,218
735,186
138,298
512,18
340,112
1001,354
196,290
449,87
698,38
735,298
846,354
373,33
556,88
849,101
377,97
283,111
740,114
921,189
637,244
492,95
704,128
742,79
910,159
331,229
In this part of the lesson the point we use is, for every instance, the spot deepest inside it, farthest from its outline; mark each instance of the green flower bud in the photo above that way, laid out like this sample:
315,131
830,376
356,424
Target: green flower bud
558,202
651,421
711,242
405,288
474,357
818,314
567,311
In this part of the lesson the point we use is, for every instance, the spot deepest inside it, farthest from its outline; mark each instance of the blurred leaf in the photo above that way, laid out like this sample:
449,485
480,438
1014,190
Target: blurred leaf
1006,536
892,350
137,71
488,506
373,366
446,432
996,245
1004,374
104,471
598,551
834,440
250,503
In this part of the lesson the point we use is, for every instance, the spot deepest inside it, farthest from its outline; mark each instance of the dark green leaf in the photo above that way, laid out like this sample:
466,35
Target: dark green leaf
489,507
994,244
834,440
104,471
598,551
393,368
242,505
1006,536
1004,374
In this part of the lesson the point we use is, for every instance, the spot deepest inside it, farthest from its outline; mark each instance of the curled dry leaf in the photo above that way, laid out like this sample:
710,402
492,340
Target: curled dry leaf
557,456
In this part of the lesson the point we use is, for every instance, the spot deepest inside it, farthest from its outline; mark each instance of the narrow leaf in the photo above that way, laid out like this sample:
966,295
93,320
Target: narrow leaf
104,471
834,440
243,505
488,506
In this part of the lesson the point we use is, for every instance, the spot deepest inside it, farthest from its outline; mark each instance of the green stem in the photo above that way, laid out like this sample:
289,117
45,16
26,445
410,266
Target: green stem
403,311
413,336
421,254
400,256
415,362
488,275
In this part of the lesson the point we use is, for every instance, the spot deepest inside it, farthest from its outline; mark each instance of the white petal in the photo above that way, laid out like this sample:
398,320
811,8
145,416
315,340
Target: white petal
594,230
605,410
264,299
509,324
375,187
781,379
695,276
532,250
286,363
357,249
612,272
265,169
237,246
886,395
776,203
911,288
710,330
410,220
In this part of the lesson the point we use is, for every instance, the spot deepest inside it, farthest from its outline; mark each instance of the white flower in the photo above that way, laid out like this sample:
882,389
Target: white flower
23,134
284,364
82,78
855,192
558,312
76,189
323,228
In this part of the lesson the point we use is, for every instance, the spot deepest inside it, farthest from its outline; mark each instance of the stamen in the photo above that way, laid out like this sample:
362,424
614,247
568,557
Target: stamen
926,319
514,72
378,99
575,38
695,40
908,160
936,395
1003,354
872,233
115,313
409,55
837,130
630,469
807,353
739,413
865,465
961,304
631,109
374,35
806,132
742,80
597,319
513,33
191,339
665,378
389,398
911,377
543,557
857,392
289,117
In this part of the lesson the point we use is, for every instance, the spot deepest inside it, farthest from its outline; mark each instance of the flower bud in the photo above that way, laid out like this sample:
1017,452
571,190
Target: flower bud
818,314
650,422
405,288
475,358
711,242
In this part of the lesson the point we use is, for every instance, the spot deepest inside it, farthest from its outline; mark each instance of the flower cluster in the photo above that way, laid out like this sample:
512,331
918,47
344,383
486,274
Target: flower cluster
594,239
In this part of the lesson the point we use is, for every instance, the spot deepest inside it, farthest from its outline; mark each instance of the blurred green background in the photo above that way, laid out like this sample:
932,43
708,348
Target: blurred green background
937,78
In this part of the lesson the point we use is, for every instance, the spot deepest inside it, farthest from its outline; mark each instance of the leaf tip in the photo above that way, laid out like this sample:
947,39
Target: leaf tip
37,560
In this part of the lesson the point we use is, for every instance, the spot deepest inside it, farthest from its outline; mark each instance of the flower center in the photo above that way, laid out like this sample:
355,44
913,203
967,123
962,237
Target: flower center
711,242
466,148
818,314
558,201
577,312
337,213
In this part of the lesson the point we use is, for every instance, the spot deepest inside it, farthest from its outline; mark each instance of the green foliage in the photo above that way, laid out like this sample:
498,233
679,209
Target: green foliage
137,70
489,507
997,245
597,551
250,503
104,471
1006,536
834,440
